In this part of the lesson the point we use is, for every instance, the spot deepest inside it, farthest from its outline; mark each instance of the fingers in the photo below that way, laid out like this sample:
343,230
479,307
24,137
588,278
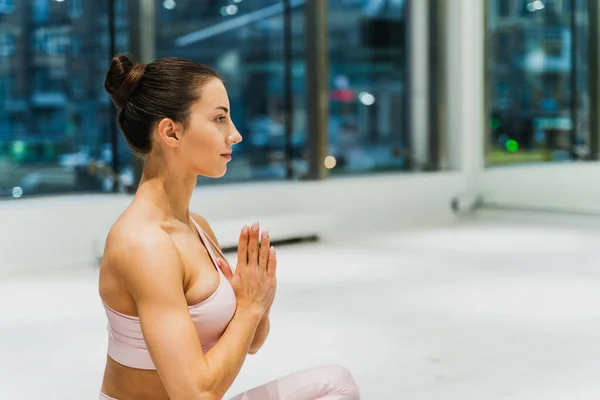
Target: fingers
253,246
264,251
242,253
225,268
272,264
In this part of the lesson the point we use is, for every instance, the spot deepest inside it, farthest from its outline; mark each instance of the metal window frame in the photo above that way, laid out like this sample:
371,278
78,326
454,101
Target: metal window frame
594,82
487,87
317,87
288,95
142,43
574,65
114,132
437,91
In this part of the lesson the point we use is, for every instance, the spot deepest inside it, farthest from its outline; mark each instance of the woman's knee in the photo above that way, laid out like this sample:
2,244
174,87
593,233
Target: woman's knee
344,379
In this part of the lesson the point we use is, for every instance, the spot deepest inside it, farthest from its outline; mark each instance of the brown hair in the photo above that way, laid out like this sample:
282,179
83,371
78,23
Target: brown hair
146,93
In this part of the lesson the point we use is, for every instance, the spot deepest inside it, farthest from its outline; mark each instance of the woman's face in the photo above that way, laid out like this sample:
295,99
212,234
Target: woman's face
210,134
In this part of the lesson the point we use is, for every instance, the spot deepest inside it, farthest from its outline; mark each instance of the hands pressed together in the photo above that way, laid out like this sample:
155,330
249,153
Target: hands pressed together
254,280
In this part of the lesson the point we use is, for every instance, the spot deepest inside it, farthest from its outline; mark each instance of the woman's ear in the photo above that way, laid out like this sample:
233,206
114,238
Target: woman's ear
169,132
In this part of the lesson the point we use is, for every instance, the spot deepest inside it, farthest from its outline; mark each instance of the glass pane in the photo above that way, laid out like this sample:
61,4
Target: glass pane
368,122
52,120
538,81
243,40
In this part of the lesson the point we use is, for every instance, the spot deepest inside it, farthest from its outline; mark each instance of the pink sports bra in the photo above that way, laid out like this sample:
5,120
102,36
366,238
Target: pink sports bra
211,316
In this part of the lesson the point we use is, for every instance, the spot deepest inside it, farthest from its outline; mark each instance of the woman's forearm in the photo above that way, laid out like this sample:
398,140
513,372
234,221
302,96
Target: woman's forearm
260,336
225,359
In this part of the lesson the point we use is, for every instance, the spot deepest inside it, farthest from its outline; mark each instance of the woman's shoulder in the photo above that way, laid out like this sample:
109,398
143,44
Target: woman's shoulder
133,238
133,230
139,256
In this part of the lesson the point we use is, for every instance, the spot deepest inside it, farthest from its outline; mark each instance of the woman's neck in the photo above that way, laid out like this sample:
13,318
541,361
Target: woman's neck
167,189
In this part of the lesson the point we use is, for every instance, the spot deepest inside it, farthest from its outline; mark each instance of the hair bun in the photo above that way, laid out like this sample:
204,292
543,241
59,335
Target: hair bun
122,79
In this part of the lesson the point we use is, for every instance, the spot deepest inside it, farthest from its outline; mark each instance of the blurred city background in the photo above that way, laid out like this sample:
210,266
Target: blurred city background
437,159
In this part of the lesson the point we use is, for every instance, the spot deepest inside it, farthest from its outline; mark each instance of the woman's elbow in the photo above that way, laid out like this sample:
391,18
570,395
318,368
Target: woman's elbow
207,392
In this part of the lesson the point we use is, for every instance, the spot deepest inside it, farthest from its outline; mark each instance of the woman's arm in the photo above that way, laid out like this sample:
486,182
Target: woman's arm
153,271
262,332
260,336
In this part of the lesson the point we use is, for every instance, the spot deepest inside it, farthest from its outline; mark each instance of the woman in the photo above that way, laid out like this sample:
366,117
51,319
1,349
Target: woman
180,321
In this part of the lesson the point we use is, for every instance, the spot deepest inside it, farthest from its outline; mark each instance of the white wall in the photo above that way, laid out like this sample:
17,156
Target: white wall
67,231
558,187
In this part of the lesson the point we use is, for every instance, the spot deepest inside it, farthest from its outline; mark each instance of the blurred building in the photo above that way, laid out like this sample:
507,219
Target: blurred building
57,115
538,69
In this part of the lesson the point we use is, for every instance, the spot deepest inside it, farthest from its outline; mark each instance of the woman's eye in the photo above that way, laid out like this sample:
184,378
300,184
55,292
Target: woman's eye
221,119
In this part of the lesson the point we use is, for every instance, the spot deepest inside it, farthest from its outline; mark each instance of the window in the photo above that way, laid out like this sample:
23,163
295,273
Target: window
49,123
533,79
368,121
57,117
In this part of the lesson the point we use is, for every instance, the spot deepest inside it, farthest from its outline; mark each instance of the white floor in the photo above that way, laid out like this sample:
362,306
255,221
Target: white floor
483,310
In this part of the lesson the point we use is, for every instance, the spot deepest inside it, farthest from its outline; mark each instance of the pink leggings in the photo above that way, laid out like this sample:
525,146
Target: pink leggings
331,382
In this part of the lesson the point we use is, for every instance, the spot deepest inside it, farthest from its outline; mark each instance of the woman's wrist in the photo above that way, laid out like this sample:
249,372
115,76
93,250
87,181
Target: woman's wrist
250,311
266,315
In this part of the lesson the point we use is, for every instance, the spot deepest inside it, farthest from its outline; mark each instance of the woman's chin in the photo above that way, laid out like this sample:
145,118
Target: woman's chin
220,174
215,173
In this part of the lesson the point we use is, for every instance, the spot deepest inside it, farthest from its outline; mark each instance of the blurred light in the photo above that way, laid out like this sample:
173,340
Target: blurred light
229,62
342,95
59,1
235,23
535,6
536,60
366,98
229,10
169,4
342,82
495,122
330,162
18,148
512,145
237,1
17,192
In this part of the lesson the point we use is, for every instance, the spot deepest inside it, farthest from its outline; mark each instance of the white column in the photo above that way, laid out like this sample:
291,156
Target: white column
465,102
419,91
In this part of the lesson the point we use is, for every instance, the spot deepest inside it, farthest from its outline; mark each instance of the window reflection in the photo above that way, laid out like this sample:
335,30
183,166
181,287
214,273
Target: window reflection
368,123
56,118
52,56
538,81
